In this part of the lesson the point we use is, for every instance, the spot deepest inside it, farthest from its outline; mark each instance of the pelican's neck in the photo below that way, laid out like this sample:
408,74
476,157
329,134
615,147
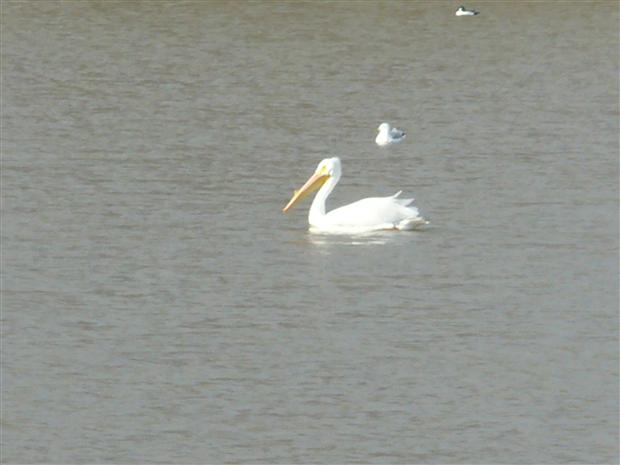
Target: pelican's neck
317,209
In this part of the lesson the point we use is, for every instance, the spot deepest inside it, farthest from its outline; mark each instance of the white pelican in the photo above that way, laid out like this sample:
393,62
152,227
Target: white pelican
365,215
388,136
462,11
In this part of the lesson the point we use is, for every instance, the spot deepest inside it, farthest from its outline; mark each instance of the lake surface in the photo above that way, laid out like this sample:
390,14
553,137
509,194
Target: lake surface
158,306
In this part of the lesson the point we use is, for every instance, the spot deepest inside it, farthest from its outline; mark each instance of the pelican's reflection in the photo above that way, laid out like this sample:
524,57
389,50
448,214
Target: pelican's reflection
326,241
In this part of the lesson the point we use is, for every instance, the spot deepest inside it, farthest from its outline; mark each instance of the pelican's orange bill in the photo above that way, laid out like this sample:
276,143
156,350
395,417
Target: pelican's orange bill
311,185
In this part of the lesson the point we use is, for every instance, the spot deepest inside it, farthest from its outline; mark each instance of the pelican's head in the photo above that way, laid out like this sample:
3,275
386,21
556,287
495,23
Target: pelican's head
326,169
331,166
383,127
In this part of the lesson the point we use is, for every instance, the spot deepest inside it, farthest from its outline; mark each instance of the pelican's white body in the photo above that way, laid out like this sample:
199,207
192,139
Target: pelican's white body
371,214
388,135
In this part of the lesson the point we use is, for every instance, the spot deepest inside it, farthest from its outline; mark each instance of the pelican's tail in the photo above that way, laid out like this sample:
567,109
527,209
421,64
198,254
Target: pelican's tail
411,223
413,219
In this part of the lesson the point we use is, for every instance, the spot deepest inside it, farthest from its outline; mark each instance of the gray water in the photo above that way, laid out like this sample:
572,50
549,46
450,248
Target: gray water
158,307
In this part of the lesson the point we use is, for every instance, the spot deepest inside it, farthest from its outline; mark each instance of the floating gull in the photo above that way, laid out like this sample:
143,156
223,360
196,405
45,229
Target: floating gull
462,11
388,136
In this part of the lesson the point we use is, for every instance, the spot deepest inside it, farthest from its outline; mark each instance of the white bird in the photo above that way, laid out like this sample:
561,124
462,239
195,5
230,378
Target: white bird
462,11
388,135
371,214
